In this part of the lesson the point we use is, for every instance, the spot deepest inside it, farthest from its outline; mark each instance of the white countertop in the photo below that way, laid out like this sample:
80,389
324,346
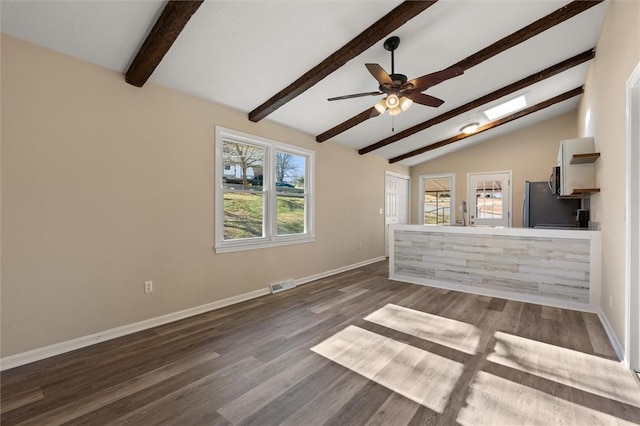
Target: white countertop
579,233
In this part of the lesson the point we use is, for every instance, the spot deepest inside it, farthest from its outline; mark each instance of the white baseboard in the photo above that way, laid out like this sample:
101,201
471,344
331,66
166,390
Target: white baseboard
81,342
617,347
338,270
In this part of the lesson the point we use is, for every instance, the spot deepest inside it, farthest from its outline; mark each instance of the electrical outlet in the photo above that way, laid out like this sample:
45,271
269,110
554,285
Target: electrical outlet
148,287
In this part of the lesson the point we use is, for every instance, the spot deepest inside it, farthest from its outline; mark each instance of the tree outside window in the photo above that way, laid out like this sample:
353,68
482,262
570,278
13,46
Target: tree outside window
264,197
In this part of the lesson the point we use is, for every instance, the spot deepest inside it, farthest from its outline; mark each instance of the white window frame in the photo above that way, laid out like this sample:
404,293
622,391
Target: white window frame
452,213
270,237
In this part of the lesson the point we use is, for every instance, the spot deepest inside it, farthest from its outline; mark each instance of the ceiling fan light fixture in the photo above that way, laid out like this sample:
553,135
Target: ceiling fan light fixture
405,103
395,111
381,106
392,101
470,128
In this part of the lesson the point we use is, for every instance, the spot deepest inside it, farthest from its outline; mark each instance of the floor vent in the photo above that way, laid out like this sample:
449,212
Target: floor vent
282,286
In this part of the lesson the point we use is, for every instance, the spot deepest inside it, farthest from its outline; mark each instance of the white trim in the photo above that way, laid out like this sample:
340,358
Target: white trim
617,347
249,245
336,271
84,341
398,175
632,218
452,200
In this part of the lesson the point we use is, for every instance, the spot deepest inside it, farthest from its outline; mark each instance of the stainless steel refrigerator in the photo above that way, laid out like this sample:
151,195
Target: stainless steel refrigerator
543,209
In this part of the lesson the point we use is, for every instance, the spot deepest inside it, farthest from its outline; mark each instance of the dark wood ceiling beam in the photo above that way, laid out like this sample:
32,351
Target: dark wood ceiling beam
537,107
564,13
346,125
507,90
172,20
376,32
551,20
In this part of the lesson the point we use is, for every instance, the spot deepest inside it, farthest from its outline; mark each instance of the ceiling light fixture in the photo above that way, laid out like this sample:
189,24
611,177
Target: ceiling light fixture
394,104
392,101
506,108
470,128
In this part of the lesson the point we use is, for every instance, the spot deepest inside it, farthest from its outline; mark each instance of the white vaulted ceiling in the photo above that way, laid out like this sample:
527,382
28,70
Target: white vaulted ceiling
241,53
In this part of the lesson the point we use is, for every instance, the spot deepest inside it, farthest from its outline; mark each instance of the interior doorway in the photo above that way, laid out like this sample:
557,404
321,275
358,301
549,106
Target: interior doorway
632,322
396,203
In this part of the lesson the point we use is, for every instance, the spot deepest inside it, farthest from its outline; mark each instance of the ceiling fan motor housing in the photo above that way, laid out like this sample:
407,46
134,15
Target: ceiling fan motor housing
399,81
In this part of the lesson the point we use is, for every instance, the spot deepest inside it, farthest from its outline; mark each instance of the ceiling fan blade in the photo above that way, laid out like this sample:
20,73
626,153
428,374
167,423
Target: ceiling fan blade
423,99
429,80
356,95
379,74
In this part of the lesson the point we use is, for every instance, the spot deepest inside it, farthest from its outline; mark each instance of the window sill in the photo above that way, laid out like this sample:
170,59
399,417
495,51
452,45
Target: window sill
235,247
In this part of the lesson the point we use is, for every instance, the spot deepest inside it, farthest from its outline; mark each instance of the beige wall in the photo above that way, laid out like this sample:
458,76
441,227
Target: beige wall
529,153
602,115
105,185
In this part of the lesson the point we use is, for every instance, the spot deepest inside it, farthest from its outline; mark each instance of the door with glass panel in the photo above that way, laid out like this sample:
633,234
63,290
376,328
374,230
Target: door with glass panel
438,204
489,199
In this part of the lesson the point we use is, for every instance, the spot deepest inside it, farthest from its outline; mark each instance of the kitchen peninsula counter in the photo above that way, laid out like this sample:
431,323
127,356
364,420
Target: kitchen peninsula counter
556,267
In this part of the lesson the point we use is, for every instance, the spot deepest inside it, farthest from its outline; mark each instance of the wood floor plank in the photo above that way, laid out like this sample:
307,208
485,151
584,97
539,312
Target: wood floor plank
352,348
21,399
292,400
243,407
327,401
396,410
598,336
192,402
361,406
92,402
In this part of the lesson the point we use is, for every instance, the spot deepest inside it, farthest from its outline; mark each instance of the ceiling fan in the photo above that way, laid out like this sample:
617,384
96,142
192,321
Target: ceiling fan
400,92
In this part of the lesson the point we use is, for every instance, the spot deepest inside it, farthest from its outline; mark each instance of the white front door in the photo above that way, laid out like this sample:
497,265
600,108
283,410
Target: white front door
396,204
489,199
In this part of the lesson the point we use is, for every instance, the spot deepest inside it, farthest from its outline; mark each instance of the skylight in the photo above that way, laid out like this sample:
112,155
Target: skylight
506,108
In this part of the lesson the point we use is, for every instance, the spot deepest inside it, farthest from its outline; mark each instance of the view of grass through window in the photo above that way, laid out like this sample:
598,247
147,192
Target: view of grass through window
245,200
290,214
243,215
437,208
437,200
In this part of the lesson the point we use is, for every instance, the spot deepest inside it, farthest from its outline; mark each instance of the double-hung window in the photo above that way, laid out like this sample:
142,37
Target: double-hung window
264,192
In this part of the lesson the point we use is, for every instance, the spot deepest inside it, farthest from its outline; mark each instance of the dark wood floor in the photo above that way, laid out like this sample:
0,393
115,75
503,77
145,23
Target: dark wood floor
351,349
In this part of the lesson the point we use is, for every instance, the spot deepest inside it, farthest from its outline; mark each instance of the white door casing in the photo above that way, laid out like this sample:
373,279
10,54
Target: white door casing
396,203
632,217
489,198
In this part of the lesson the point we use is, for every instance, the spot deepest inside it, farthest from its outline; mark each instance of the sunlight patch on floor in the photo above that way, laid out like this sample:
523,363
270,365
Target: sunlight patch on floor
444,331
589,373
421,376
495,400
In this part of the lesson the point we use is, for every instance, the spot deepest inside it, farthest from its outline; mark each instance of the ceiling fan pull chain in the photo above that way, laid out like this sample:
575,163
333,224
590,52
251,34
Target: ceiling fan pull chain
393,123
